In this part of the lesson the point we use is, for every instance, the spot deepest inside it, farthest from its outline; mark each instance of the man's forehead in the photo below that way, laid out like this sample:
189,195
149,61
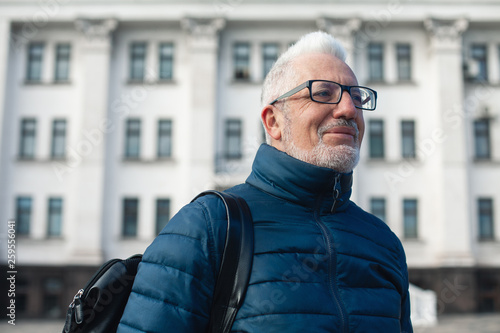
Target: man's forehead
322,66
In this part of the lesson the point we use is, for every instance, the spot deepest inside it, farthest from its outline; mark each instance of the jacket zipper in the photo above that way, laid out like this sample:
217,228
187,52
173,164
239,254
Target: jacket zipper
332,255
337,190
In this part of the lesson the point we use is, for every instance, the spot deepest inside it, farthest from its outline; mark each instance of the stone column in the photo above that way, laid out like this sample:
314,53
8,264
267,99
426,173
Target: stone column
199,158
93,50
343,30
453,221
4,56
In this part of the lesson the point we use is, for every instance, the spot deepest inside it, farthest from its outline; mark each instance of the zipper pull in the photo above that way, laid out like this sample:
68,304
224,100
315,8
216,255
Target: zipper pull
337,190
74,309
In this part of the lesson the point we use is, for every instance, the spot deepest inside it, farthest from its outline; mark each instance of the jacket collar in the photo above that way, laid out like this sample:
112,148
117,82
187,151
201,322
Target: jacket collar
281,175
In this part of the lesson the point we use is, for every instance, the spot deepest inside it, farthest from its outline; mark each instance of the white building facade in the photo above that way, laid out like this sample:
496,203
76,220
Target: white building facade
114,115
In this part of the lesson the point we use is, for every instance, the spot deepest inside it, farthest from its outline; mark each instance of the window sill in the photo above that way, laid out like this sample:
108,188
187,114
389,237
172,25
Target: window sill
132,82
485,161
49,83
391,83
148,160
41,160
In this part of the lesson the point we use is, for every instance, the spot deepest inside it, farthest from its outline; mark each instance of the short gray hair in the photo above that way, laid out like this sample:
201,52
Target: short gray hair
280,78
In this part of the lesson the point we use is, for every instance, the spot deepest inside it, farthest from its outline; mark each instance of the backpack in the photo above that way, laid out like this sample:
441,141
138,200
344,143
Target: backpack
98,307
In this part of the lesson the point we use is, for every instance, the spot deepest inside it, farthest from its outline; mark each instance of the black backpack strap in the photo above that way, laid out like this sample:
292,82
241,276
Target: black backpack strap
236,264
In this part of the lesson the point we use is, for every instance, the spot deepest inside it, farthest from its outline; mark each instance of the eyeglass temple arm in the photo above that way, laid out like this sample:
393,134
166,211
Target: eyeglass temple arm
291,92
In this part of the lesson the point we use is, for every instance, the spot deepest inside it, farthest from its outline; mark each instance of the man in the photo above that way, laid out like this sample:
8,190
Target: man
321,264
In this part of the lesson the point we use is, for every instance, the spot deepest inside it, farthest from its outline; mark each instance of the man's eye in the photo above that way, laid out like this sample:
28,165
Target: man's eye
323,93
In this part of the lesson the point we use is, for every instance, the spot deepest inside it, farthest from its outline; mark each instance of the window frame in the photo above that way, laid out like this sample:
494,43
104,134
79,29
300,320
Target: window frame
162,216
166,60
408,139
34,66
27,139
376,62
233,137
55,217
482,139
62,60
241,72
410,231
404,63
487,212
58,139
376,139
23,215
132,134
137,61
130,217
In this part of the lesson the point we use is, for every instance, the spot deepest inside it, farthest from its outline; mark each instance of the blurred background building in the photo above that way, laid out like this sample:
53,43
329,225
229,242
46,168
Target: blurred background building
115,114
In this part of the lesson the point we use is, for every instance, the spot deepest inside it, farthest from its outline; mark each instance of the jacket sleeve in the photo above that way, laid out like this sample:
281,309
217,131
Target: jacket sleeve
173,288
405,321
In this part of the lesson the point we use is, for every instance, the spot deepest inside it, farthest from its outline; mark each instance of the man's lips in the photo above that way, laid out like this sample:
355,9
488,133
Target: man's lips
342,130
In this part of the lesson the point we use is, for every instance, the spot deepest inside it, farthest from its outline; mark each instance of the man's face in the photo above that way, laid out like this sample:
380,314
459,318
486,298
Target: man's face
328,135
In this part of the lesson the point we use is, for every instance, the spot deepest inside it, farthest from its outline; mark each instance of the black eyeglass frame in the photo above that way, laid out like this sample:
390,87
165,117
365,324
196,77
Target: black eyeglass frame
343,88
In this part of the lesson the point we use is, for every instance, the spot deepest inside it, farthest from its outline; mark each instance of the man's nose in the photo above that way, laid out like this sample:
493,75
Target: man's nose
345,108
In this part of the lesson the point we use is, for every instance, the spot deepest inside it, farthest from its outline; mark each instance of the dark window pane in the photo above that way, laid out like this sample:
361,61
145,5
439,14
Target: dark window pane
35,54
378,208
58,139
164,138
376,61
54,223
376,128
480,59
23,215
410,218
62,62
162,214
485,217
404,61
166,61
137,60
130,216
241,61
482,139
408,138
269,57
133,138
27,140
233,138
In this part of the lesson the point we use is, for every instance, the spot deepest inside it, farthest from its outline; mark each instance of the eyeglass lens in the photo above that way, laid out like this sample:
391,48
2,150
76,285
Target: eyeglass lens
330,92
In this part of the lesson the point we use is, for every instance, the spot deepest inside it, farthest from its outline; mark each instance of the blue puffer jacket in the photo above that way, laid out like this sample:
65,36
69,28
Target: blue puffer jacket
321,263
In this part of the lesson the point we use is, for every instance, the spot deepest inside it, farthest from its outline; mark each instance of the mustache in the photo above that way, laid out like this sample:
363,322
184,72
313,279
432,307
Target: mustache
341,122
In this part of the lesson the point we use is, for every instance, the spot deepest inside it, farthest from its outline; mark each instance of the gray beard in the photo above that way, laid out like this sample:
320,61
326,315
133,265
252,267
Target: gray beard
341,158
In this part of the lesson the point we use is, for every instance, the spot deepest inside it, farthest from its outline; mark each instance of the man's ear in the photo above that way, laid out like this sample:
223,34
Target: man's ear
272,120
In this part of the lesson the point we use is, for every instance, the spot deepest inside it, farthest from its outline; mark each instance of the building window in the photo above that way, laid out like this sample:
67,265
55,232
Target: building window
162,214
485,217
52,292
241,58
23,215
376,128
233,139
130,217
27,140
269,57
410,218
480,60
62,62
58,149
164,138
137,61
404,61
54,223
35,53
377,206
376,61
133,139
408,139
166,61
482,139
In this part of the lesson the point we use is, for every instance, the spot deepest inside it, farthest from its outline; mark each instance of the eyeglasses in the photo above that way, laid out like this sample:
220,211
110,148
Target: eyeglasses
329,92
